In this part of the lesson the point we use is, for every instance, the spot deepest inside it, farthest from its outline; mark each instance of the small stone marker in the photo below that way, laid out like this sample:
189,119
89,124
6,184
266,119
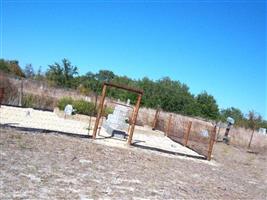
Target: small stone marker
68,109
128,102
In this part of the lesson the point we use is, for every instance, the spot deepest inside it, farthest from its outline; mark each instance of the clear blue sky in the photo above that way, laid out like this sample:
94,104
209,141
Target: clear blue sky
218,47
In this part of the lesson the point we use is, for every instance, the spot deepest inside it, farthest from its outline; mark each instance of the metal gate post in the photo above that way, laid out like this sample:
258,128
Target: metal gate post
99,110
137,105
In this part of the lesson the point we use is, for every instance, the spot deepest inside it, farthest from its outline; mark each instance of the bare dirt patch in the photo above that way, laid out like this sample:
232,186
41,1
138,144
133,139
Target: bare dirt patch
53,166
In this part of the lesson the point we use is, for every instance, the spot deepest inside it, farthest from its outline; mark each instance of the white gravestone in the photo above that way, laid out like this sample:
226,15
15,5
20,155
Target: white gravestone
68,109
116,122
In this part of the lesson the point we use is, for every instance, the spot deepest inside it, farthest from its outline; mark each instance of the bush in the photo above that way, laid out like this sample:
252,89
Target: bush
63,102
84,107
108,111
81,106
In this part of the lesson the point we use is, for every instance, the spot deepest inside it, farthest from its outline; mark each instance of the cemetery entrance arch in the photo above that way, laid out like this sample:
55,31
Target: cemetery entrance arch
134,114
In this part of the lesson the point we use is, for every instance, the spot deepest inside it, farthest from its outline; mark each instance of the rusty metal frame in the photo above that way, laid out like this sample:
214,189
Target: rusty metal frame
134,114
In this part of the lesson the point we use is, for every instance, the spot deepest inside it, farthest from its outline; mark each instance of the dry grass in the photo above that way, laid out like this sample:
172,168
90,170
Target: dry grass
241,137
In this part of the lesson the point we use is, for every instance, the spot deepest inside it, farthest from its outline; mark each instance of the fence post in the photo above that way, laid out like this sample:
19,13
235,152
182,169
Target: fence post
211,142
168,126
186,136
155,120
99,110
101,119
21,92
134,117
251,137
130,120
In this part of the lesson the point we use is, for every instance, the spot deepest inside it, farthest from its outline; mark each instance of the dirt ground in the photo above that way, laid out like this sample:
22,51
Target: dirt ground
53,166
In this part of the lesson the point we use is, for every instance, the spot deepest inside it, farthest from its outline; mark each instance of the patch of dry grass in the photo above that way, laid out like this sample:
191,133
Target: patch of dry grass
241,137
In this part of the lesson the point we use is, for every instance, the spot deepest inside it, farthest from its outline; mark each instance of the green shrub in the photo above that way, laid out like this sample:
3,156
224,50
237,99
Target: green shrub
63,102
84,107
81,106
108,111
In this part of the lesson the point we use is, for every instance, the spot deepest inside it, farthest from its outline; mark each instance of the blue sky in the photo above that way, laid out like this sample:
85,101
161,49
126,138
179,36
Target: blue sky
218,47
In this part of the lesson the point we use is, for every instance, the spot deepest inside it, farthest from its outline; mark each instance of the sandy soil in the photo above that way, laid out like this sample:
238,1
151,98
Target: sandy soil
53,166
28,117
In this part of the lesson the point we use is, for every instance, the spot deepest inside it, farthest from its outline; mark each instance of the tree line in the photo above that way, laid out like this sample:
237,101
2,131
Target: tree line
165,93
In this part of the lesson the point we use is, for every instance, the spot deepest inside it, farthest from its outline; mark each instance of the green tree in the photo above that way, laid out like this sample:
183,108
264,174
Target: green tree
235,113
253,120
11,67
122,94
62,75
207,106
91,82
4,66
174,96
15,68
253,123
104,76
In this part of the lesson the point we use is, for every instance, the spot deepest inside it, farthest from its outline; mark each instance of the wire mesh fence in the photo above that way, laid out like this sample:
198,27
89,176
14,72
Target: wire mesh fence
198,136
39,94
177,129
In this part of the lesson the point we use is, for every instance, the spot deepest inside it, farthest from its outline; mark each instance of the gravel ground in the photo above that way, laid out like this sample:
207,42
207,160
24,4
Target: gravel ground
52,166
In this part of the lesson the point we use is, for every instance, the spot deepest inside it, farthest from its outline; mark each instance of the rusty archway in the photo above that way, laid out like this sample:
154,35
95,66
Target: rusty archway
134,114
